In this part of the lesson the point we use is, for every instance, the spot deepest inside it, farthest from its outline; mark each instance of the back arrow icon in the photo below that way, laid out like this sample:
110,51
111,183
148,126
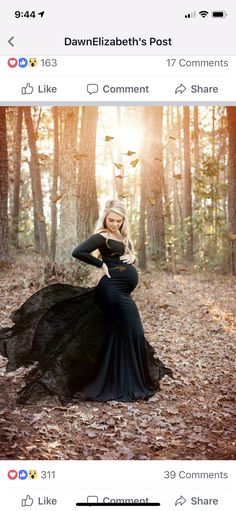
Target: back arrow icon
10,40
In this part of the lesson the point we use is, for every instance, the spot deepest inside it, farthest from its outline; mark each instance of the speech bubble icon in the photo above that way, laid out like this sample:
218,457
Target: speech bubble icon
92,88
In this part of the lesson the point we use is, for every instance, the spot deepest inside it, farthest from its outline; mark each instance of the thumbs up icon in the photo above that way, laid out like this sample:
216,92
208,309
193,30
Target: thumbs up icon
28,501
28,89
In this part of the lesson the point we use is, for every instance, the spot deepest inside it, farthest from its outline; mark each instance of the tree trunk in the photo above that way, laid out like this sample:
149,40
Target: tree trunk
196,147
142,260
36,184
67,235
54,195
4,245
153,161
188,186
167,173
87,212
17,172
180,183
119,182
231,114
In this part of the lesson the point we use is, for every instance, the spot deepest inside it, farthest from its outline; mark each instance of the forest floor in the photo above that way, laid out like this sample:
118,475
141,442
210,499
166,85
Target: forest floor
190,319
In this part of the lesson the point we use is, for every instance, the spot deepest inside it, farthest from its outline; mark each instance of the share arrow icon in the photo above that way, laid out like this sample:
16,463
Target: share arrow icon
181,500
180,89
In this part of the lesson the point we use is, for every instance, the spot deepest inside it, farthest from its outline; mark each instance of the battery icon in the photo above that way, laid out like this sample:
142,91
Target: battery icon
219,14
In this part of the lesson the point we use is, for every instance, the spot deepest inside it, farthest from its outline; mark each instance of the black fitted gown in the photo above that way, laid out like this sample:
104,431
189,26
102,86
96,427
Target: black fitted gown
121,371
86,340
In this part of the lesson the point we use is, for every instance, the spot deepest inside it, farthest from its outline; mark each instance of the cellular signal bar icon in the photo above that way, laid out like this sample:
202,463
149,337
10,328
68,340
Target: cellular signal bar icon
191,15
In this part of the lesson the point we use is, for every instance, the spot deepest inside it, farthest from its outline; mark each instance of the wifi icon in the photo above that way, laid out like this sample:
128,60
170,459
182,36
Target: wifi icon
203,14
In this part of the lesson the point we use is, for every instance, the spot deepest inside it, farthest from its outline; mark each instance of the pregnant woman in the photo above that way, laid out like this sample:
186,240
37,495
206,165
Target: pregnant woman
122,369
89,340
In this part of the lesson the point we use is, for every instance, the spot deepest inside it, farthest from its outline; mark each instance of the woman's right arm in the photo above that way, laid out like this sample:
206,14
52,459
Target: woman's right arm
82,252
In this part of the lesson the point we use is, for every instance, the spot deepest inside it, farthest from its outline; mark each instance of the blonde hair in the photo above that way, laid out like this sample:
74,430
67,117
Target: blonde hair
118,207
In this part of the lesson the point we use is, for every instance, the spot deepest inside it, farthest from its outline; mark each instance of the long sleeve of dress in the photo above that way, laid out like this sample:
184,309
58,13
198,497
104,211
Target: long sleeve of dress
82,252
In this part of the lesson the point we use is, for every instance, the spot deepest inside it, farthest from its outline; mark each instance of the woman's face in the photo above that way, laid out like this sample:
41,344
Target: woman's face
113,221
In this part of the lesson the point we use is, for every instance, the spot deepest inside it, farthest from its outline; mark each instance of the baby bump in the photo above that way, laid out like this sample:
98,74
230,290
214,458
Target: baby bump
124,278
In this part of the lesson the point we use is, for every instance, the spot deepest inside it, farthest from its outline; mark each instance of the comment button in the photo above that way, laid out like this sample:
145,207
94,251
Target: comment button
92,88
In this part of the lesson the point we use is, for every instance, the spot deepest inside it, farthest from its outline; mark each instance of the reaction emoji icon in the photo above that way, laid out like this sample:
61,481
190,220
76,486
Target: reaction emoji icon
23,62
12,474
22,474
33,474
33,62
12,62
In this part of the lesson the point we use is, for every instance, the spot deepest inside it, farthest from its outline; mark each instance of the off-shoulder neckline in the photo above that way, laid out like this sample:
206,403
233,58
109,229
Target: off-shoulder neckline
113,239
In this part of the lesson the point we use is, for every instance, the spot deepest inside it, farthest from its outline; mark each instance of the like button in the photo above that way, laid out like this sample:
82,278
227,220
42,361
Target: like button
28,501
28,89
